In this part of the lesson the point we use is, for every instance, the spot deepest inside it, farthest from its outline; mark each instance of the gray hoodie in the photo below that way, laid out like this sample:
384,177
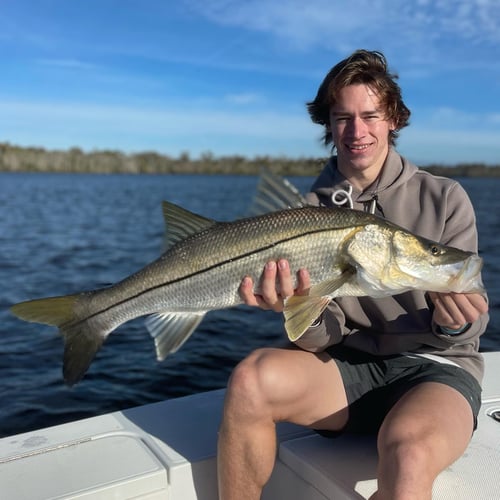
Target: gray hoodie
434,207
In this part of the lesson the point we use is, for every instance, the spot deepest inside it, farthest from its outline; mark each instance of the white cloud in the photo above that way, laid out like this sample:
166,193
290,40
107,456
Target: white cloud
411,26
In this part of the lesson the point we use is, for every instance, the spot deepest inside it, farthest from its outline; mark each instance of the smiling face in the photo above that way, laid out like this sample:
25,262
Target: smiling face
360,132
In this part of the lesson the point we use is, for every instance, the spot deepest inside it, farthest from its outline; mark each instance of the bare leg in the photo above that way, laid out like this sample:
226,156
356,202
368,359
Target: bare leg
425,432
269,386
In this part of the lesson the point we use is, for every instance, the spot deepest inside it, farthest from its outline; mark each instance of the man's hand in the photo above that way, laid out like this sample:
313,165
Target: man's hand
454,310
276,284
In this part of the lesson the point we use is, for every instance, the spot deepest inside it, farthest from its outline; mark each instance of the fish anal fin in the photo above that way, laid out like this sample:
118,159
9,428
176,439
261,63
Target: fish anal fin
171,330
301,311
181,223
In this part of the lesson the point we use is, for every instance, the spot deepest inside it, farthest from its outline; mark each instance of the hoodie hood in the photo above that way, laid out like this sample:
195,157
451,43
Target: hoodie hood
332,188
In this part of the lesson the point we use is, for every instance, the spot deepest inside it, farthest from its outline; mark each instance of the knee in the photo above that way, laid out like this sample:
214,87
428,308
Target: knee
404,452
407,455
249,387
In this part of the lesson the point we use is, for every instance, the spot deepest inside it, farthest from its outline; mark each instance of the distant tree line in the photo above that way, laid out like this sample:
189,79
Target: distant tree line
33,159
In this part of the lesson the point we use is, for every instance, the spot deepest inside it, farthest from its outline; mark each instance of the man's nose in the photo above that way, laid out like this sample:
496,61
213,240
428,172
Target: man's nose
357,127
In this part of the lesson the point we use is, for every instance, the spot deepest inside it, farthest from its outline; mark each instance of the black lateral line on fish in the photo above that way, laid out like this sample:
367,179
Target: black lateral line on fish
201,271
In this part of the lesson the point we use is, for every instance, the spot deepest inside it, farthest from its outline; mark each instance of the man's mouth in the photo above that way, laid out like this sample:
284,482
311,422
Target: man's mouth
357,147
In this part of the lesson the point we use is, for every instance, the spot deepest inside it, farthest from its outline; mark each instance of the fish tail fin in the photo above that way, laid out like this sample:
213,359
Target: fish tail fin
53,311
81,342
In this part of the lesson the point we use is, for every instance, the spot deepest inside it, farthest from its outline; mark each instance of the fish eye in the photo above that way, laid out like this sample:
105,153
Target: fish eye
435,250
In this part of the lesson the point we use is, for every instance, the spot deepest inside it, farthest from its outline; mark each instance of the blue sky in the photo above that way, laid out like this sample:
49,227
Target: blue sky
232,77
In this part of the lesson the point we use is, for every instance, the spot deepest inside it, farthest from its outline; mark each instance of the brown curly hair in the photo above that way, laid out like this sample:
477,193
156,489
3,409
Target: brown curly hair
361,67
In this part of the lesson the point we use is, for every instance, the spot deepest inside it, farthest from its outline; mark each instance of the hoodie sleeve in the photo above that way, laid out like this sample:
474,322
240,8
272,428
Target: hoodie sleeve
328,331
460,221
460,231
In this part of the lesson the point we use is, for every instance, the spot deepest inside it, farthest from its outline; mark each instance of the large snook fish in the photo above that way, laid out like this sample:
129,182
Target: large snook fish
347,253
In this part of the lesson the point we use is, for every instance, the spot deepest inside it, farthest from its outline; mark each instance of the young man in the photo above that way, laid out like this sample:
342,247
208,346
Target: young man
406,367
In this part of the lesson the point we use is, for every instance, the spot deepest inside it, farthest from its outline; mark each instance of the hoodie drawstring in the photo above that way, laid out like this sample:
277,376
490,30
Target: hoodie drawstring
341,197
375,205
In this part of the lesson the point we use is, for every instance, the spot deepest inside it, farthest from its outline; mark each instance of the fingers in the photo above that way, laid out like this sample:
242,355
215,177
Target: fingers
304,282
276,272
276,284
454,310
246,292
446,312
269,297
285,281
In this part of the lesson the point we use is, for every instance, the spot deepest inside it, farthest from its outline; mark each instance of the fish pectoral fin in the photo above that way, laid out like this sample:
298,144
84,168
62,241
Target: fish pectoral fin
329,287
171,330
301,311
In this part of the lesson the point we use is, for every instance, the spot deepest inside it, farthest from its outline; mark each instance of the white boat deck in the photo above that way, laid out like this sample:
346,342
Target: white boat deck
167,450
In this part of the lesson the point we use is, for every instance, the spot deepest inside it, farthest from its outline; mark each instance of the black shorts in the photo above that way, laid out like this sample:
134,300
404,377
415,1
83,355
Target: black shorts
374,384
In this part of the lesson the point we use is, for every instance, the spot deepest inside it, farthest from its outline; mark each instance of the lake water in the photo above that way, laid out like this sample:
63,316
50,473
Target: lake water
62,234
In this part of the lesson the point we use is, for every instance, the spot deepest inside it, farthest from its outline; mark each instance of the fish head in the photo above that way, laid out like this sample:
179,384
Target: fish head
389,260
369,249
430,266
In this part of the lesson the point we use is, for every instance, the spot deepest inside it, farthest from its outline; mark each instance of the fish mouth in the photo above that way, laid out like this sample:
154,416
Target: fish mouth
468,279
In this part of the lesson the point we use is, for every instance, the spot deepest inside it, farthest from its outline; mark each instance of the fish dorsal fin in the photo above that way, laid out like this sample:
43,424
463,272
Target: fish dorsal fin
181,223
275,193
171,330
